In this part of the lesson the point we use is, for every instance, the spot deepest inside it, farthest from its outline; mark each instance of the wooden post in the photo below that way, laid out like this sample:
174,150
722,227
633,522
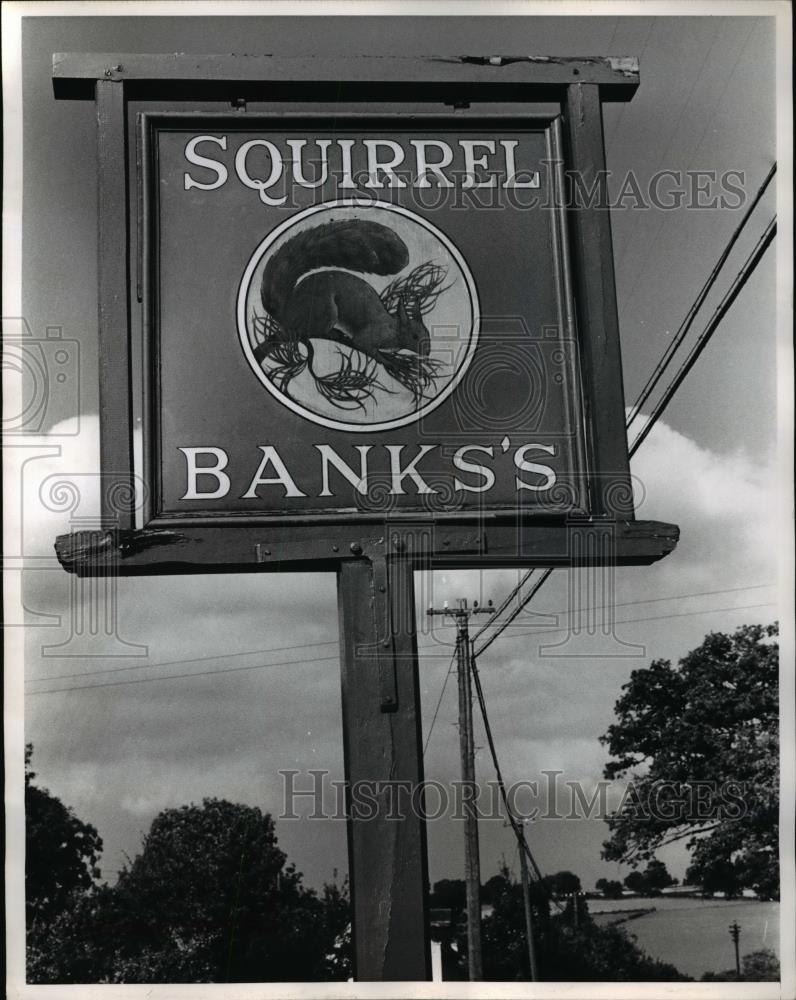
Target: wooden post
735,934
387,855
593,260
472,864
116,438
526,900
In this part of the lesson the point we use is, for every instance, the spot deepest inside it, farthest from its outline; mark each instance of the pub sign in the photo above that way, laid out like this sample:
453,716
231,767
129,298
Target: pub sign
358,318
324,313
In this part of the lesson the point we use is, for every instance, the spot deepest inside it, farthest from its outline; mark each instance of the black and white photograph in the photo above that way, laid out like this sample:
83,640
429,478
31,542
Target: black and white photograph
398,499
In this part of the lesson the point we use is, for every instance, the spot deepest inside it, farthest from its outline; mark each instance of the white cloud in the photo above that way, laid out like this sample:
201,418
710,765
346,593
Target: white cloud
726,505
119,753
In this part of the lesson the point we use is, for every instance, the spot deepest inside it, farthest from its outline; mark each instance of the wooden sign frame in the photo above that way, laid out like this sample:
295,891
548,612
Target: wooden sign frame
567,93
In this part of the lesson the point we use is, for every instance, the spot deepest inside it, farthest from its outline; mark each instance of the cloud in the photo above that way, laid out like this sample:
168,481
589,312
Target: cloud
119,753
727,506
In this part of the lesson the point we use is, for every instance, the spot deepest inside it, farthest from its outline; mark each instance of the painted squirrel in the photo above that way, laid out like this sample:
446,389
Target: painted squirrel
336,305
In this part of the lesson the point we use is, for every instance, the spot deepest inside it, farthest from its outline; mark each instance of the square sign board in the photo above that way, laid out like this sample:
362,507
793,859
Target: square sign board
352,318
394,304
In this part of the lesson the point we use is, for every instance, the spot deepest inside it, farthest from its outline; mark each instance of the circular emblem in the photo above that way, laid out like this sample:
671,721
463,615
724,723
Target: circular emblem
360,316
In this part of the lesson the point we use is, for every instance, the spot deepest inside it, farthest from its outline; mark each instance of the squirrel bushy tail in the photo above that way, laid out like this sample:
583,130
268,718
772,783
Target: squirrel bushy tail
354,244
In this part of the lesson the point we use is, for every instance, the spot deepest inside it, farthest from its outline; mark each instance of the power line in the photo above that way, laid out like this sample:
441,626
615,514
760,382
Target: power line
685,326
657,600
519,832
621,621
505,603
323,659
720,312
439,703
653,618
535,588
193,659
177,677
190,659
738,283
193,673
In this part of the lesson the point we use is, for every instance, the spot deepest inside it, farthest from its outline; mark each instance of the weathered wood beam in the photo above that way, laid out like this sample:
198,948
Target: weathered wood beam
617,77
382,750
228,548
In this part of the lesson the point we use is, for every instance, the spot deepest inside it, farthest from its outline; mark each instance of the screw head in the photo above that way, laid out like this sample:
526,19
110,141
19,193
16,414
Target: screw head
355,548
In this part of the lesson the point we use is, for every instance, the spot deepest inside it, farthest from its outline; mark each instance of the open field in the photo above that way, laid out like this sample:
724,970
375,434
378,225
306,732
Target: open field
693,934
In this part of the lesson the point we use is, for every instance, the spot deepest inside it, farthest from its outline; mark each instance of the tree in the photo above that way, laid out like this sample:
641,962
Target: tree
657,877
450,893
210,898
61,854
564,951
756,967
700,743
651,881
634,881
610,888
495,886
562,883
761,966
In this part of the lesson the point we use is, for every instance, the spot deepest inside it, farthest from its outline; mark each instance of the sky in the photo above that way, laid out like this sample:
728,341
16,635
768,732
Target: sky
213,684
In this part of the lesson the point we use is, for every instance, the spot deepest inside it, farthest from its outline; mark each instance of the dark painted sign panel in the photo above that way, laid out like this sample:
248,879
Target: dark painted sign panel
368,320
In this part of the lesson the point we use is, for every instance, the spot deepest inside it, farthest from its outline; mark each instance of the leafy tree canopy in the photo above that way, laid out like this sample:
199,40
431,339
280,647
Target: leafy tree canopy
610,888
635,882
700,743
562,883
756,967
449,892
61,852
210,898
569,947
651,881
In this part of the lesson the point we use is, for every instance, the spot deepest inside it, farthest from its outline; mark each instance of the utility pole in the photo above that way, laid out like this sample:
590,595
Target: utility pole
472,866
735,934
575,915
526,899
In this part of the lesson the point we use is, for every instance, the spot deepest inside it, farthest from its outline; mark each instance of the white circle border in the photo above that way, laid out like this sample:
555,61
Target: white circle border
339,425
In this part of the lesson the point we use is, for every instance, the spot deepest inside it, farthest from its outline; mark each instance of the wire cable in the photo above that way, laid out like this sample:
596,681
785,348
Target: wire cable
720,312
685,326
518,829
179,663
537,586
421,649
652,618
439,703
738,283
